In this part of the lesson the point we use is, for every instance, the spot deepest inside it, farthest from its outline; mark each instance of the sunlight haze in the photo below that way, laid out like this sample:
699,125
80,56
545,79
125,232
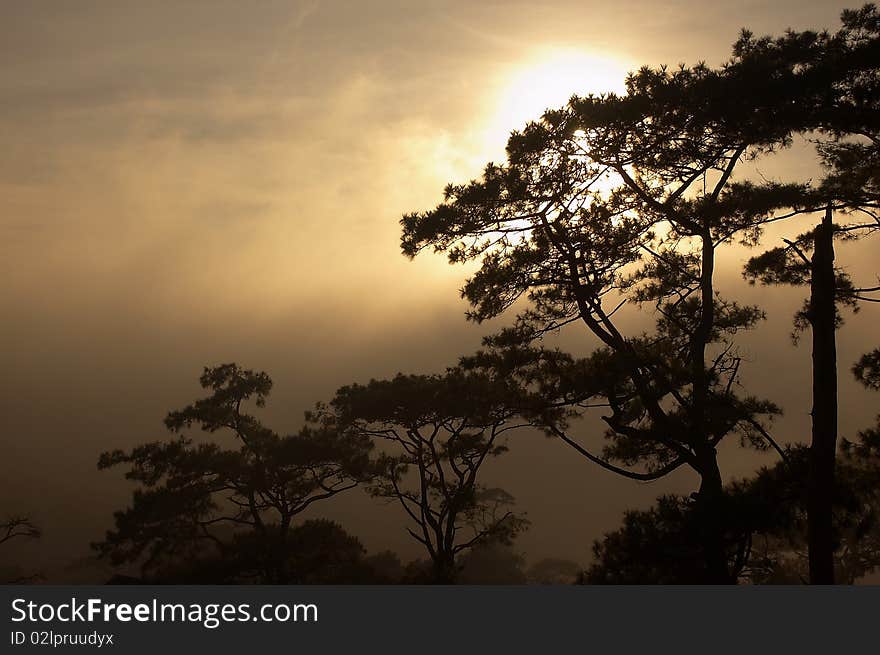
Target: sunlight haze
189,183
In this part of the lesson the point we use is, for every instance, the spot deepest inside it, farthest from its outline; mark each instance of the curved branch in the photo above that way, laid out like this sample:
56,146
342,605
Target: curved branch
633,475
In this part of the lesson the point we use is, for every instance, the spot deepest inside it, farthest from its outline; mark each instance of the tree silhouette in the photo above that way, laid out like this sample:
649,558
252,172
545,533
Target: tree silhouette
598,205
859,548
844,67
19,527
317,551
386,567
618,199
492,563
610,203
766,536
201,495
553,570
654,546
867,370
435,433
809,260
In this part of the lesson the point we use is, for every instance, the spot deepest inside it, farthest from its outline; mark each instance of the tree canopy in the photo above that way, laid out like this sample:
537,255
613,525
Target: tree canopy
627,199
434,433
194,495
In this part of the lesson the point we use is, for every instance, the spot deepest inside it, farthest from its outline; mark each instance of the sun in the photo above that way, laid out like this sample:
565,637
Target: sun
546,80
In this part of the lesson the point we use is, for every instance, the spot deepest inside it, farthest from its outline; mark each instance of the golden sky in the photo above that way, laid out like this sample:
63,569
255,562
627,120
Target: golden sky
185,183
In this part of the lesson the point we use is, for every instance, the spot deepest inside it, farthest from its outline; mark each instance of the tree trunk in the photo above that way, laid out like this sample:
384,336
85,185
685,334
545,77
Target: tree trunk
711,521
820,483
282,555
444,569
710,498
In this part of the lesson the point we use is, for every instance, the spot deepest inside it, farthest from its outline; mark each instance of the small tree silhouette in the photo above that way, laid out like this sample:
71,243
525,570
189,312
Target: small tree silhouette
19,527
235,500
435,433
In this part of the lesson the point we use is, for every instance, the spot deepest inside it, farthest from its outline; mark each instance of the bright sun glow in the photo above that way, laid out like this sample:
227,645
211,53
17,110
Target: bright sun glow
548,80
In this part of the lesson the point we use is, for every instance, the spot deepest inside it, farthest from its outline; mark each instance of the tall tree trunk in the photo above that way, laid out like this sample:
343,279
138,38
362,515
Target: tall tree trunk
710,498
820,483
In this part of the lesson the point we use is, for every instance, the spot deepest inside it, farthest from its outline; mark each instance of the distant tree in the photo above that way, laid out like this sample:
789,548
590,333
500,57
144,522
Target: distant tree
553,571
419,571
321,552
435,433
18,527
492,563
318,551
198,496
386,567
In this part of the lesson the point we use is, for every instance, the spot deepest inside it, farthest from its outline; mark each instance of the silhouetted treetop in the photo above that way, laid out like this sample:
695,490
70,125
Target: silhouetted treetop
231,387
191,490
433,434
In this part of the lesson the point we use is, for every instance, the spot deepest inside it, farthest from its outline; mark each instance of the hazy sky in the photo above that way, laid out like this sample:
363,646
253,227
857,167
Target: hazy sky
188,183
